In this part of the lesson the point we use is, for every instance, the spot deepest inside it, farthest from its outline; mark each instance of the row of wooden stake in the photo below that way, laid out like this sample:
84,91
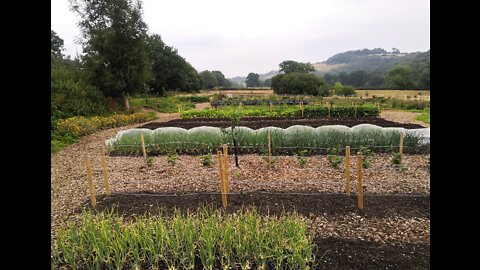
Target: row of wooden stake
302,107
224,170
359,171
93,198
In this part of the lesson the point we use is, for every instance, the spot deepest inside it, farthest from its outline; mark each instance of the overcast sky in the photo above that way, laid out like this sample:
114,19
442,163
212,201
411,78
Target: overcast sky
238,37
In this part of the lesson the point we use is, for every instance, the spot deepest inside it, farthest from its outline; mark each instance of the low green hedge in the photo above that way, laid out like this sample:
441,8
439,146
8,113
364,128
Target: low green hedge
309,112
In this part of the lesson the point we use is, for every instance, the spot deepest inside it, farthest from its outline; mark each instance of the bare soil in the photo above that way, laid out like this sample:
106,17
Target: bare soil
201,106
281,122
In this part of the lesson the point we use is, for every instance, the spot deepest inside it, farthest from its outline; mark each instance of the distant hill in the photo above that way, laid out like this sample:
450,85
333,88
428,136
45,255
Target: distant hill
373,65
365,59
262,77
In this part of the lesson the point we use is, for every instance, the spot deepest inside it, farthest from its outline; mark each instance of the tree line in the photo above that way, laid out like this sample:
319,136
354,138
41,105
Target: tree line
120,58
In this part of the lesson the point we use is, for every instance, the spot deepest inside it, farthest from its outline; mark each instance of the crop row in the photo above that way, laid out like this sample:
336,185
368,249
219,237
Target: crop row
201,140
256,102
288,111
207,239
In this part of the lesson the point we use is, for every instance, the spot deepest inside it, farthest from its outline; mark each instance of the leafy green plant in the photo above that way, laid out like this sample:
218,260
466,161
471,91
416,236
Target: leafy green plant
395,161
284,141
366,154
310,111
272,160
206,159
302,160
172,158
207,238
333,158
149,162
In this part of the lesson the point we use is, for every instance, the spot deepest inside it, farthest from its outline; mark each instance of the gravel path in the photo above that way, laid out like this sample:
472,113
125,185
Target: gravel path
69,184
402,117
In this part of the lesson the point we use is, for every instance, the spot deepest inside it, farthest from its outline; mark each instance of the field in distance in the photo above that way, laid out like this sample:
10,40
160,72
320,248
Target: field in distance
400,94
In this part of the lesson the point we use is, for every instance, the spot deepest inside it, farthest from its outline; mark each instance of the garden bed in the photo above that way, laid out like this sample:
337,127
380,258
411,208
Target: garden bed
281,122
392,232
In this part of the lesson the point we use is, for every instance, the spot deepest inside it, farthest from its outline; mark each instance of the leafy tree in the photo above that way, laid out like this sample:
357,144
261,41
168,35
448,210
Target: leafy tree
70,93
276,82
375,80
357,78
342,90
253,80
114,45
170,70
400,77
298,84
324,90
290,66
329,78
267,82
56,44
208,80
221,80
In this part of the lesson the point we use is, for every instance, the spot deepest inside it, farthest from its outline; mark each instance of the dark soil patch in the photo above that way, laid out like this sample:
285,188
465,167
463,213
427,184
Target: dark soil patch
281,122
314,204
342,253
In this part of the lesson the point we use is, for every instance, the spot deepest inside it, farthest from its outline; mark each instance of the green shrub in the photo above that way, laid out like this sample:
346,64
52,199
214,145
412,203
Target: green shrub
206,159
333,158
302,160
81,126
194,99
284,111
172,158
168,104
366,156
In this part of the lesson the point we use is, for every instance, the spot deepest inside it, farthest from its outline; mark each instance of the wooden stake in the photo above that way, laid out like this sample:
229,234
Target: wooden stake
270,106
178,106
93,199
269,148
226,168
301,107
347,169
360,186
378,107
401,146
143,150
104,170
222,177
